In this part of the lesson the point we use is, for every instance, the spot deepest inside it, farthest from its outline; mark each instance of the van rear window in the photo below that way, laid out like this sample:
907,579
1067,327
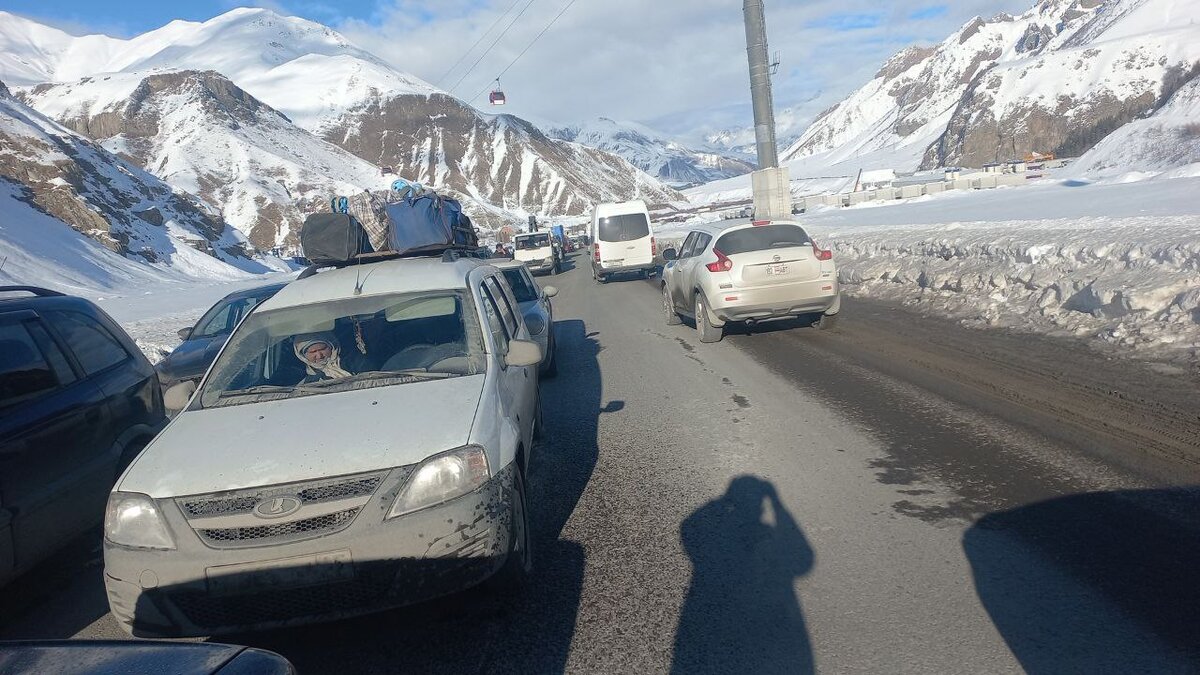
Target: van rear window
625,227
762,238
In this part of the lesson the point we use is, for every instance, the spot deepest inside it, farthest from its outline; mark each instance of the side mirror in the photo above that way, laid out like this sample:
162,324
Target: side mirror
670,254
185,333
522,353
176,396
550,291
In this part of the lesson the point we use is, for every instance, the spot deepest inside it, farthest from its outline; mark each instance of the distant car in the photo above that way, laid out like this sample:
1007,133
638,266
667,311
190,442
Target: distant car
746,212
537,310
749,272
78,401
539,251
203,341
104,657
360,443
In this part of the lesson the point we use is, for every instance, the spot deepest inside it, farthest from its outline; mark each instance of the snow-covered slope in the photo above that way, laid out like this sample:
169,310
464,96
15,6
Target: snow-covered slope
1057,78
203,134
67,202
651,152
348,97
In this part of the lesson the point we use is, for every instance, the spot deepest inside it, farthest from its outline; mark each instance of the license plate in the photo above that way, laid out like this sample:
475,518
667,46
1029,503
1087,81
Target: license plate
304,570
776,270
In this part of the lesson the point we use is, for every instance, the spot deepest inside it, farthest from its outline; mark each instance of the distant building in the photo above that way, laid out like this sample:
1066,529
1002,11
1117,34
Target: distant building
953,173
994,167
876,179
1015,166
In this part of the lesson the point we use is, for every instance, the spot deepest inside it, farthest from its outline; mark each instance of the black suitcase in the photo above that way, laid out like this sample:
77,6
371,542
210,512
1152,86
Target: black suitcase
331,238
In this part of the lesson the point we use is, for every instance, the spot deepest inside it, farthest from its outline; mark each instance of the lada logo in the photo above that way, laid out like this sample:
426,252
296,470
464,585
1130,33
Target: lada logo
277,507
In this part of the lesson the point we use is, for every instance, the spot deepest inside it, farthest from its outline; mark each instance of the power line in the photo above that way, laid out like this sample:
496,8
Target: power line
535,39
485,52
481,38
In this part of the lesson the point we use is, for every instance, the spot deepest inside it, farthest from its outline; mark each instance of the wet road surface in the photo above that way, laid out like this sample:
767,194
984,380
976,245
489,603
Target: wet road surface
896,495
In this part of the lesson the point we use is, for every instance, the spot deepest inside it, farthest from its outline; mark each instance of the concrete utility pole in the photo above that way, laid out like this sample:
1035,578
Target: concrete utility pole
772,188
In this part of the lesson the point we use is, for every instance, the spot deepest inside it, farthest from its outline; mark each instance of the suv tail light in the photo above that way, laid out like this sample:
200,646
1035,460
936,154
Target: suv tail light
653,247
723,263
822,253
596,251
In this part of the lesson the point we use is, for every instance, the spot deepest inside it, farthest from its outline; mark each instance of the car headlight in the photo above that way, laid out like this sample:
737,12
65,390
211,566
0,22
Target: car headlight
535,323
442,478
132,519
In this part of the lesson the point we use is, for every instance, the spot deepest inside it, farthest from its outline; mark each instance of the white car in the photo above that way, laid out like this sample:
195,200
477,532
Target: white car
622,241
749,272
360,443
536,308
538,252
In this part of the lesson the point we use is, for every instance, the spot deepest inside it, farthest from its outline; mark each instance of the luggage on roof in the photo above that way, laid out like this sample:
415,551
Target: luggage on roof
329,238
428,222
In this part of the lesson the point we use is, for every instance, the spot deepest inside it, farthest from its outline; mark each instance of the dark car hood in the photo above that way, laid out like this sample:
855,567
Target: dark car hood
191,359
118,657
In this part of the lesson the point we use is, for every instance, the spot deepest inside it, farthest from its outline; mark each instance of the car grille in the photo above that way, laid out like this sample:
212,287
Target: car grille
200,508
326,524
243,501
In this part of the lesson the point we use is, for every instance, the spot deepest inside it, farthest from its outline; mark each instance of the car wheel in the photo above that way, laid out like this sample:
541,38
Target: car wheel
551,367
519,563
827,322
538,430
601,278
708,332
669,312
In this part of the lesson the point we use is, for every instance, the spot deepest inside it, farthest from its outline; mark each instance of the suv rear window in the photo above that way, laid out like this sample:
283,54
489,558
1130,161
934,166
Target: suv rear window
536,241
24,372
762,238
93,345
625,227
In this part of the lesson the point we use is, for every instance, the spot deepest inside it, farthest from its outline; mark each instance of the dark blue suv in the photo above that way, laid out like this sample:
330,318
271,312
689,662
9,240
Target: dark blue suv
78,401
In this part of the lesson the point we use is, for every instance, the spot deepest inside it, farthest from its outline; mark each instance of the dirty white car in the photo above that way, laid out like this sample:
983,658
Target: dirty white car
360,443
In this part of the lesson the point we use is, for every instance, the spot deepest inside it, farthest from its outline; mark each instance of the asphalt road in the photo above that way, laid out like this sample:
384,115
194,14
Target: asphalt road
896,495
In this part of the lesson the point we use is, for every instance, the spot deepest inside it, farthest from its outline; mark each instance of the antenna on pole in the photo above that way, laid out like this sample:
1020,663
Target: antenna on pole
773,67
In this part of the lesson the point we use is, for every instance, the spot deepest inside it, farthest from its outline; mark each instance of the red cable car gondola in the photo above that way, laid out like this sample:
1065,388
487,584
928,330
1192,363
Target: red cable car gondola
497,95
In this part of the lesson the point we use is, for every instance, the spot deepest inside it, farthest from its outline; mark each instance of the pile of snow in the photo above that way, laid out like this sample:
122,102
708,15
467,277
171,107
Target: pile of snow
1116,263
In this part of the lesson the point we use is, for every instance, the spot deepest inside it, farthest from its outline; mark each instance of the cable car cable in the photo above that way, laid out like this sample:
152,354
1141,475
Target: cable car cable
535,39
481,38
489,49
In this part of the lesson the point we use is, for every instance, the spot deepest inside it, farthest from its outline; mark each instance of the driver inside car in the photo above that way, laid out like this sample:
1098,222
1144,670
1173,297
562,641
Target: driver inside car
321,356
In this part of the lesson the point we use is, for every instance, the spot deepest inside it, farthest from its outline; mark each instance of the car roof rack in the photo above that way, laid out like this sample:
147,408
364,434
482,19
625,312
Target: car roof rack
36,290
448,254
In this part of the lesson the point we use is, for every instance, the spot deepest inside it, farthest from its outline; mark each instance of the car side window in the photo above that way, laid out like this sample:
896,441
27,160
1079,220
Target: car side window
24,371
506,306
701,243
50,349
685,249
94,347
495,323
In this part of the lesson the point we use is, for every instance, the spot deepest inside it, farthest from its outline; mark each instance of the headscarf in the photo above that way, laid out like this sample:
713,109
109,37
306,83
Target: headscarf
330,367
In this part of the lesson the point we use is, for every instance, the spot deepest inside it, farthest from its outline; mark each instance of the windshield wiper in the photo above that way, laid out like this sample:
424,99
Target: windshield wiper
260,389
379,375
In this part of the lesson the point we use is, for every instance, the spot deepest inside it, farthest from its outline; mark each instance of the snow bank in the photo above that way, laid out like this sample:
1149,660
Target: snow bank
1127,280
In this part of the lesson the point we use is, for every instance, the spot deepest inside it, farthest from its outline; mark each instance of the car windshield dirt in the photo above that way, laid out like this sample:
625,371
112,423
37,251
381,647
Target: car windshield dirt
625,227
521,287
538,241
224,317
347,344
761,238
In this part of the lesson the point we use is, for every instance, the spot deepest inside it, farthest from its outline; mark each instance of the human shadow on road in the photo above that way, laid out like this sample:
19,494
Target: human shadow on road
477,630
1054,575
741,614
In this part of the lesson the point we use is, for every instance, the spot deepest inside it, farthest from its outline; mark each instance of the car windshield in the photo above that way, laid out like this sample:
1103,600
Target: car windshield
762,238
521,287
347,344
224,316
625,227
536,241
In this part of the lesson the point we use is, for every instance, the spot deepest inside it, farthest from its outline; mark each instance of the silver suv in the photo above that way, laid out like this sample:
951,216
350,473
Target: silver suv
748,272
361,442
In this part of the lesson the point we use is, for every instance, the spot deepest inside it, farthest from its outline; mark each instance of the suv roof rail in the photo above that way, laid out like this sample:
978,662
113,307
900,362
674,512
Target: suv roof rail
36,290
447,253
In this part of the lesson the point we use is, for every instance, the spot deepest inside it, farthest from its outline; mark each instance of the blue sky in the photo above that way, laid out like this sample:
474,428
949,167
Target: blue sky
625,59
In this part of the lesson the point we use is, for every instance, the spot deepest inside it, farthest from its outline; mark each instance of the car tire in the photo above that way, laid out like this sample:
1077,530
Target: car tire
551,367
518,564
669,313
600,278
827,321
708,332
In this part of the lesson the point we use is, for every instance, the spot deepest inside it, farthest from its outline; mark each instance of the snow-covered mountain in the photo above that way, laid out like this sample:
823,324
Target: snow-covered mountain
56,188
651,152
346,96
202,133
1058,78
